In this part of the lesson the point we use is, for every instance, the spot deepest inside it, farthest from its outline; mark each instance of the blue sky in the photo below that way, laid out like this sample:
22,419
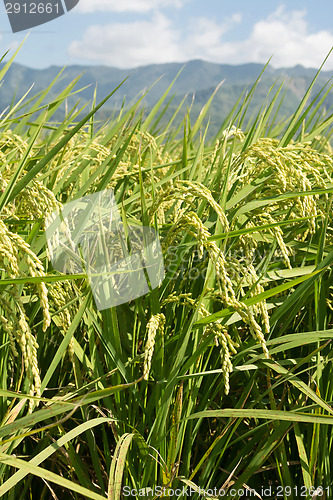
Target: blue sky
130,33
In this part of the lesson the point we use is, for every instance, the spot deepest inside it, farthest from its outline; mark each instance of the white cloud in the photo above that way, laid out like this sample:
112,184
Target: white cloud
137,43
206,35
125,5
129,44
285,35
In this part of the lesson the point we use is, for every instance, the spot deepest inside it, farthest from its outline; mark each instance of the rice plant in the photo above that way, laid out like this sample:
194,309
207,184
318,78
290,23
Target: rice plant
218,382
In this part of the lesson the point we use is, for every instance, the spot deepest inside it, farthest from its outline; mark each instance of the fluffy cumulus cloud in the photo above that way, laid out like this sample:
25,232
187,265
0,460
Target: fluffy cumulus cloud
205,38
283,35
125,5
151,41
131,44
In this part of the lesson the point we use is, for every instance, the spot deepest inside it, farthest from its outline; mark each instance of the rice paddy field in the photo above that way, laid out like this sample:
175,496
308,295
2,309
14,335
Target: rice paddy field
216,384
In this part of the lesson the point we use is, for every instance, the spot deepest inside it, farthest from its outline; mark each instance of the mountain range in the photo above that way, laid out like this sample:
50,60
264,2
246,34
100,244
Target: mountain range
196,77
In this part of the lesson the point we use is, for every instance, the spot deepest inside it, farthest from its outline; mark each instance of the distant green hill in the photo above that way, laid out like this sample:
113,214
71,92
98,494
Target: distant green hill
197,77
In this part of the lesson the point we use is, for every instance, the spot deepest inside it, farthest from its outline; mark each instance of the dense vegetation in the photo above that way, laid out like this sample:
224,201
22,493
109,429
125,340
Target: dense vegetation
219,379
198,78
